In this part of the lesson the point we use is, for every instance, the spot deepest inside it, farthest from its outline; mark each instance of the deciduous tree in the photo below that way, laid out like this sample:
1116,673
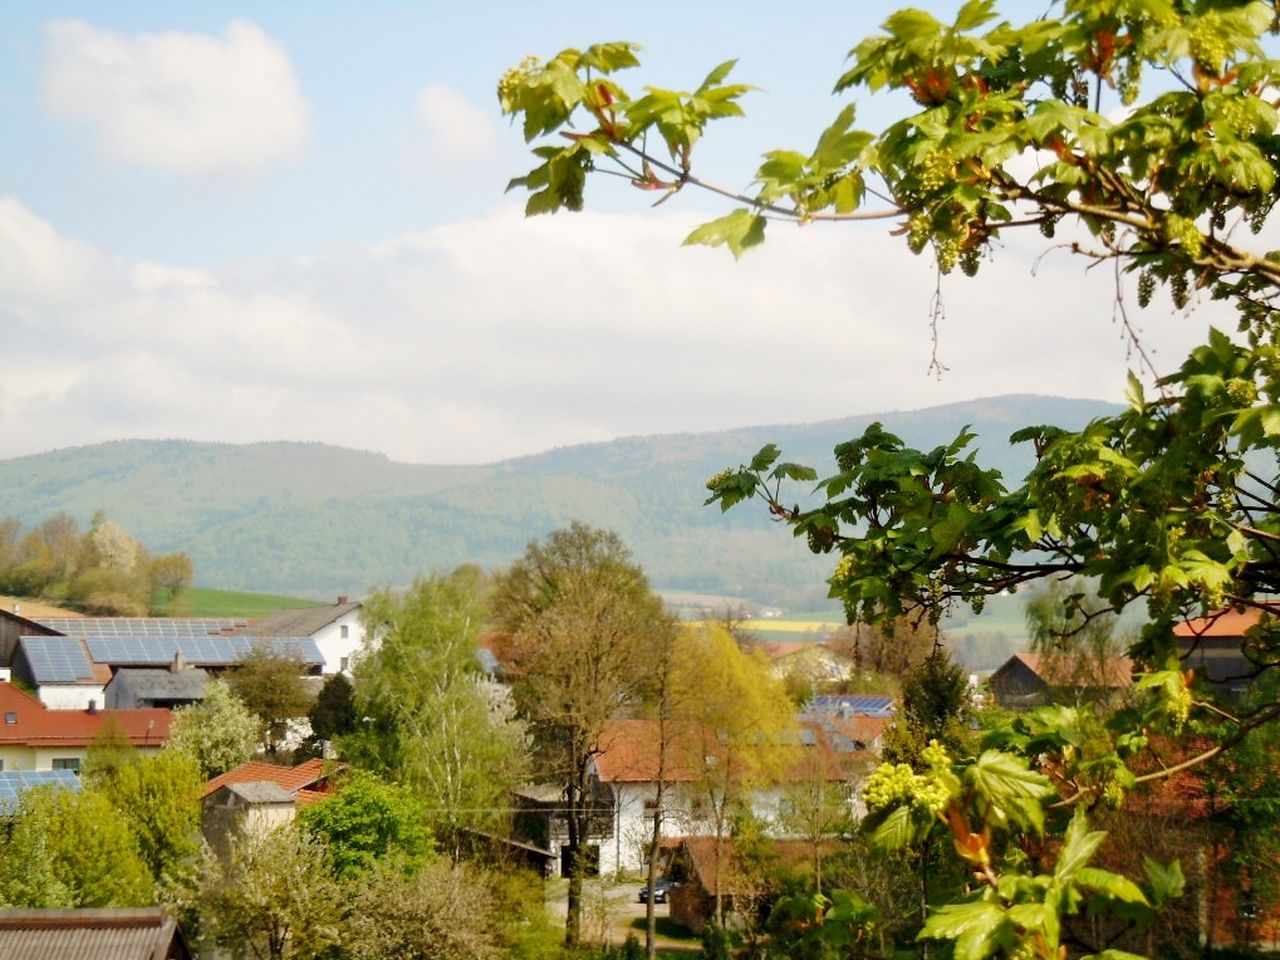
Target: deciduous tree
218,733
69,849
268,680
273,898
366,821
427,718
580,617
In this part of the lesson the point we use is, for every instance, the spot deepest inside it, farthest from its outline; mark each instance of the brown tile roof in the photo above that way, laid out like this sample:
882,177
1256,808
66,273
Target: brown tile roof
1224,624
293,779
102,934
1061,670
629,753
35,725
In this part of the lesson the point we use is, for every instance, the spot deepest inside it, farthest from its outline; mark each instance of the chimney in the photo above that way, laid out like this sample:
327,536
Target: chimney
93,707
342,599
179,663
17,607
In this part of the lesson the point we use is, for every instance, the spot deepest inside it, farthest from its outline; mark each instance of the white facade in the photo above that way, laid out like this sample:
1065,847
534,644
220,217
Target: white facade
71,696
340,641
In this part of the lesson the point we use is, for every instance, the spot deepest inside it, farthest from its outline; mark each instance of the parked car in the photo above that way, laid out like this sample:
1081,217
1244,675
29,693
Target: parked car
661,888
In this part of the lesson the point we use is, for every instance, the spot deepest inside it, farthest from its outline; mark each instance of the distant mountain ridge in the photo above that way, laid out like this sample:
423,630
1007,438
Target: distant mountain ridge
317,520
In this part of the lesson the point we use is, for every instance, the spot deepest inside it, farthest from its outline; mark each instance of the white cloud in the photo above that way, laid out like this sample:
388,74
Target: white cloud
186,103
501,336
456,131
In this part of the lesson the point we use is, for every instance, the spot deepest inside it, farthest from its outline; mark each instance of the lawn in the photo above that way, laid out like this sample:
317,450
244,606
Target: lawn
206,602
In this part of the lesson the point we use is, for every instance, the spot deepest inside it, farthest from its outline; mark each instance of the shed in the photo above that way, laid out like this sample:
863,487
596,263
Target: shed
145,933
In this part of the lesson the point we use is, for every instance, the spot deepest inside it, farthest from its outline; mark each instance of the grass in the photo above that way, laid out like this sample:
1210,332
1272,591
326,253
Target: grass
207,602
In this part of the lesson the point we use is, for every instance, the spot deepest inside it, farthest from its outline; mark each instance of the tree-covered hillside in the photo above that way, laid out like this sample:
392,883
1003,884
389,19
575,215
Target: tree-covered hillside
310,519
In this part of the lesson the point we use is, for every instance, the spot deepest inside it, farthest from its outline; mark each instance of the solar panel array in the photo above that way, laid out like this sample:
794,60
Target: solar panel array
205,651
56,659
13,783
141,626
851,705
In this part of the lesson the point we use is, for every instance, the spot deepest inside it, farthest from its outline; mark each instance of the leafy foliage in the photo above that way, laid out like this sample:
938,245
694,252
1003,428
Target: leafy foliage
367,821
274,898
579,623
218,733
68,849
104,571
269,683
427,720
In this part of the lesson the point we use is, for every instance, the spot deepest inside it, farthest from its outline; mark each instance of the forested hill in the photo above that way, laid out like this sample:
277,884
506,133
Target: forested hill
317,520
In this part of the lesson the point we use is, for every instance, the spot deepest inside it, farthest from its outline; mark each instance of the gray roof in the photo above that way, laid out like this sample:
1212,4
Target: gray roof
152,684
105,934
260,791
302,622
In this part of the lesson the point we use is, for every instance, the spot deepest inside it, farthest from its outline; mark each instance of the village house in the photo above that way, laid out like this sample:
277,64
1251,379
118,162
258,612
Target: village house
35,737
814,663
1217,647
626,771
1028,680
256,797
336,629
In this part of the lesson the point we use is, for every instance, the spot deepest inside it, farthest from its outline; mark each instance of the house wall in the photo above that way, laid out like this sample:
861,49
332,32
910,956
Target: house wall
71,696
22,757
1017,688
624,852
334,647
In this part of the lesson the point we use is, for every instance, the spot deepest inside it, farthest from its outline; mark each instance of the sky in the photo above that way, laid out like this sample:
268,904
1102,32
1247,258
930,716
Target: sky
261,221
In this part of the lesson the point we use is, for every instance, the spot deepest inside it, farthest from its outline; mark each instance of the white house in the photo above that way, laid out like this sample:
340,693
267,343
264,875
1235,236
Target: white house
336,629
627,769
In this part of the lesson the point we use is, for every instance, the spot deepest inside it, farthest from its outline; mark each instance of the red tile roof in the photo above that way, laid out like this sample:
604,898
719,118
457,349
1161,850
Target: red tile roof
630,753
35,725
1224,624
293,779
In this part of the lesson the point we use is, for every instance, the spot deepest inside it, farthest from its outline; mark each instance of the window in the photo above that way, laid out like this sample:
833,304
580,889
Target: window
344,631
10,717
67,763
344,663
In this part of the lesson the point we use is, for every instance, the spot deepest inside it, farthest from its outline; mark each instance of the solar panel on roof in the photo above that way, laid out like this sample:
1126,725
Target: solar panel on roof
56,659
849,705
13,783
141,626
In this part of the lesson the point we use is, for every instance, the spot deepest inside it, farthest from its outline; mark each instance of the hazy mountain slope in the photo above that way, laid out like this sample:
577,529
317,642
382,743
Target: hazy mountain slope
317,520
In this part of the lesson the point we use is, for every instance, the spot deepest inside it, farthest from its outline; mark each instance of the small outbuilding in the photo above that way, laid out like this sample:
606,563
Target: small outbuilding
146,933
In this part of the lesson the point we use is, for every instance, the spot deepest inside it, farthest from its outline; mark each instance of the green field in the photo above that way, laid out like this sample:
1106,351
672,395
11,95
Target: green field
206,602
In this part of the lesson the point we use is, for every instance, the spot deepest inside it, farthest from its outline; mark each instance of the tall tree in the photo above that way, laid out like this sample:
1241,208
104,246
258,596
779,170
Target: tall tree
580,617
742,726
159,797
428,718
